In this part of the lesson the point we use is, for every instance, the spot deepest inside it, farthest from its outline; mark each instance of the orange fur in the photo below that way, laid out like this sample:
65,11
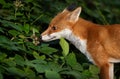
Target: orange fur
102,40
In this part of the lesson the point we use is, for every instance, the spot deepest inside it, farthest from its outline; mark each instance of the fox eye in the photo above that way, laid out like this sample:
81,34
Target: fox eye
54,28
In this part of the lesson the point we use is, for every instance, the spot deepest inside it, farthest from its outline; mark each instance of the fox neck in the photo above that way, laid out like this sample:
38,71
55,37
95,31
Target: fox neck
78,33
80,41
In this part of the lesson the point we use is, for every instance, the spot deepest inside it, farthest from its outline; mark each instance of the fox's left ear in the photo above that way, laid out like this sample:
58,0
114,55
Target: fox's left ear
74,15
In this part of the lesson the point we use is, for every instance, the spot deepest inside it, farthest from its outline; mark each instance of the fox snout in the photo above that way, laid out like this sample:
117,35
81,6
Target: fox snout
46,38
40,39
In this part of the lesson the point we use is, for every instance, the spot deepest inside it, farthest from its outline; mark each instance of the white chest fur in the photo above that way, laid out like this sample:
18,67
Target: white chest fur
79,44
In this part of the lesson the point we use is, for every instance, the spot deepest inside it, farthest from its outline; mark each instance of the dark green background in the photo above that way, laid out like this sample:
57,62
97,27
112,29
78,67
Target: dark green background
23,20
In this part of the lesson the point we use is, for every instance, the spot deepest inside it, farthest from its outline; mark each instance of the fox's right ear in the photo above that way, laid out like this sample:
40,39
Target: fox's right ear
74,15
65,10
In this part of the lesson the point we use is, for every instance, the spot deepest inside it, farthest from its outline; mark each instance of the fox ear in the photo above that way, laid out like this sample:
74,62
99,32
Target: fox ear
74,15
65,10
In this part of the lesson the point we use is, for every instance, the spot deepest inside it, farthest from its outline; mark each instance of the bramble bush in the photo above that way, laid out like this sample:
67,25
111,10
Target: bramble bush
22,21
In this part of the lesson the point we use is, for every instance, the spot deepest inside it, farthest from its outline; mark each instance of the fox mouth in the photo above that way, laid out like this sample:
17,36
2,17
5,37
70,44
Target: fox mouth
48,38
53,37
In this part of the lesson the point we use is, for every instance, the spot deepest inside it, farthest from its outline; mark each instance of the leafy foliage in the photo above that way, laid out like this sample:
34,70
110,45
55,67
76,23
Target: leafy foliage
22,21
65,46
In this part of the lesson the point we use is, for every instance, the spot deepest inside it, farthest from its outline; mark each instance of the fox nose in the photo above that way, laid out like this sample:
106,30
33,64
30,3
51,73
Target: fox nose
40,38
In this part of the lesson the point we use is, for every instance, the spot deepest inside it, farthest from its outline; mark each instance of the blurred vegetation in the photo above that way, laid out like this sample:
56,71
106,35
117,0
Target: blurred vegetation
22,21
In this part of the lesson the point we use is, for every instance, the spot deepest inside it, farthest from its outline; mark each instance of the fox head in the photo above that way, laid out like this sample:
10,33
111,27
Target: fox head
61,25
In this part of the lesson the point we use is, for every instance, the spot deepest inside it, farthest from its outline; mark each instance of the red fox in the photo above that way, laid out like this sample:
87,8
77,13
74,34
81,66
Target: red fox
100,43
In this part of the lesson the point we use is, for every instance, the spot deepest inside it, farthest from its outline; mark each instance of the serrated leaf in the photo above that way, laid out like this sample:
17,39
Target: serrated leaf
52,75
65,46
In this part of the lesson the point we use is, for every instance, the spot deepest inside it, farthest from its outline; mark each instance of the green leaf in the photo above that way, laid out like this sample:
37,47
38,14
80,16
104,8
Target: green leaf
22,36
26,28
52,75
2,56
48,50
42,57
16,71
4,39
35,30
1,76
77,67
55,67
29,63
30,73
86,74
2,2
38,64
10,62
19,60
13,32
65,46
39,61
44,45
71,59
8,44
36,55
2,69
75,74
1,30
41,68
17,27
29,0
19,14
94,70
